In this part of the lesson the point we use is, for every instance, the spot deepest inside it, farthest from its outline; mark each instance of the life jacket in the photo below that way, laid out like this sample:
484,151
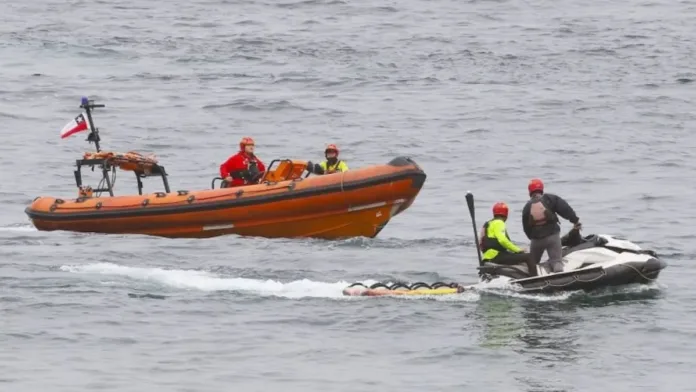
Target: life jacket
539,213
253,167
332,169
246,174
490,242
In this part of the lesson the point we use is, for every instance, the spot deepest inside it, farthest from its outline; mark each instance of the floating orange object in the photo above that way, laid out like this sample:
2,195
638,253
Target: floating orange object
283,204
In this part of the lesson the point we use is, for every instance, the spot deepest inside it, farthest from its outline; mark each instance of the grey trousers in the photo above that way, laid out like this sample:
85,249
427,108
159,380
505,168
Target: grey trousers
552,246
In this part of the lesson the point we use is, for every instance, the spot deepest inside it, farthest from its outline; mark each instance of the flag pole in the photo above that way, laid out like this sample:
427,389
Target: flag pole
94,132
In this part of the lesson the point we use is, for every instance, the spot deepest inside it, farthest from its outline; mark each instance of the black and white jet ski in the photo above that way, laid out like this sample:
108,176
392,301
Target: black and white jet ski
589,263
592,262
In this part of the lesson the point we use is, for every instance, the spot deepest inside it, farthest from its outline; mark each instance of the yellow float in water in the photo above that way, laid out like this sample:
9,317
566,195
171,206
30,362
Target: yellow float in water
418,288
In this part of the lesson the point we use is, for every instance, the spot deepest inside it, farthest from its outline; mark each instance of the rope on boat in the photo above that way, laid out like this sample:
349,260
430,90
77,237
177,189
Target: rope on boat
547,283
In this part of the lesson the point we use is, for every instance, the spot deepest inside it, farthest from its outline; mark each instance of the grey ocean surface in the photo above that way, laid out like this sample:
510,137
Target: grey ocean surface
594,97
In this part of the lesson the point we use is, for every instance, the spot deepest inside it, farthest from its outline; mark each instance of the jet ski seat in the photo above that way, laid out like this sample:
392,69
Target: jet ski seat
590,241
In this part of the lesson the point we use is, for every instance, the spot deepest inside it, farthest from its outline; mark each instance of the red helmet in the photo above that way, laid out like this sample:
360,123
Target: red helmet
331,147
500,209
246,141
535,185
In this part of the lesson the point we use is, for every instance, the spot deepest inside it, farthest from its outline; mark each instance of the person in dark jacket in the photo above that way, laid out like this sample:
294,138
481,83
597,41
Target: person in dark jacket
542,226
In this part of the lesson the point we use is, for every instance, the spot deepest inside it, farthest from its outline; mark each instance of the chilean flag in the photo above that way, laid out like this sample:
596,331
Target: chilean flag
78,124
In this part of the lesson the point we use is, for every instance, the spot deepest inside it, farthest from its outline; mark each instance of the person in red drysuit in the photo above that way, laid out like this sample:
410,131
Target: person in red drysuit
242,168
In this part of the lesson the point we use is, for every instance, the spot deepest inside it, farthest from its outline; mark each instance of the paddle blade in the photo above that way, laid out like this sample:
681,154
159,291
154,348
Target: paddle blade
470,202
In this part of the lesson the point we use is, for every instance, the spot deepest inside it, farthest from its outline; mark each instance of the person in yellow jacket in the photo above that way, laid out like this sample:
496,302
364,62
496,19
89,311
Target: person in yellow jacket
331,164
496,244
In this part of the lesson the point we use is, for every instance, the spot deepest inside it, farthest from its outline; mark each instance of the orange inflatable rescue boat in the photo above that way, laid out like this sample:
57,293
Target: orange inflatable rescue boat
286,201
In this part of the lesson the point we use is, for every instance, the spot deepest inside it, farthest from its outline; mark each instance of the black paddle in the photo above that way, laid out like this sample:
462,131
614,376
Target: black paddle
470,204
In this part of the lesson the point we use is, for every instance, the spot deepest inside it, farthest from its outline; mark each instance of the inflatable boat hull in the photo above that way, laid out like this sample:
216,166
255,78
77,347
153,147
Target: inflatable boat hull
341,205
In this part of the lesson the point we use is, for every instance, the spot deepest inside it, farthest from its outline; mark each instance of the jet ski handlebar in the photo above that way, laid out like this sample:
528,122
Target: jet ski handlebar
573,239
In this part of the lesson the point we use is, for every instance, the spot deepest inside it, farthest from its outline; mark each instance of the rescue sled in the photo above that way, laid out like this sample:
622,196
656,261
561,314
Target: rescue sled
286,202
398,288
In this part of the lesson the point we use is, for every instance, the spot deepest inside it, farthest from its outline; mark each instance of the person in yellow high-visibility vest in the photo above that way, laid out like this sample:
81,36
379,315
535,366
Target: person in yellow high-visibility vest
496,244
331,164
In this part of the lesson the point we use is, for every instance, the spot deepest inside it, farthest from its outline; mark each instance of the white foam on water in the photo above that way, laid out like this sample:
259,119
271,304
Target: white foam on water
500,286
205,281
19,228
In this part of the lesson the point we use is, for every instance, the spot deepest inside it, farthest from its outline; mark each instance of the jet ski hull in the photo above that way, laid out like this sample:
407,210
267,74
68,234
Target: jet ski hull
590,278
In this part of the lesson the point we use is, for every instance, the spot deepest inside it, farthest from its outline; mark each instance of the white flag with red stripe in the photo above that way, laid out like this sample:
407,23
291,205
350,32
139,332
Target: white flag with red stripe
78,124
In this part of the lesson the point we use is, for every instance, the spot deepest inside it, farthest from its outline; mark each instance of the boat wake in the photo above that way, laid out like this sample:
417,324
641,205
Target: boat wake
207,281
18,228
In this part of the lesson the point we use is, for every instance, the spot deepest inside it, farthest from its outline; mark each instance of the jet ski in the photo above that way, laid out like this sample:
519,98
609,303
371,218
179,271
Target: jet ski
591,262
